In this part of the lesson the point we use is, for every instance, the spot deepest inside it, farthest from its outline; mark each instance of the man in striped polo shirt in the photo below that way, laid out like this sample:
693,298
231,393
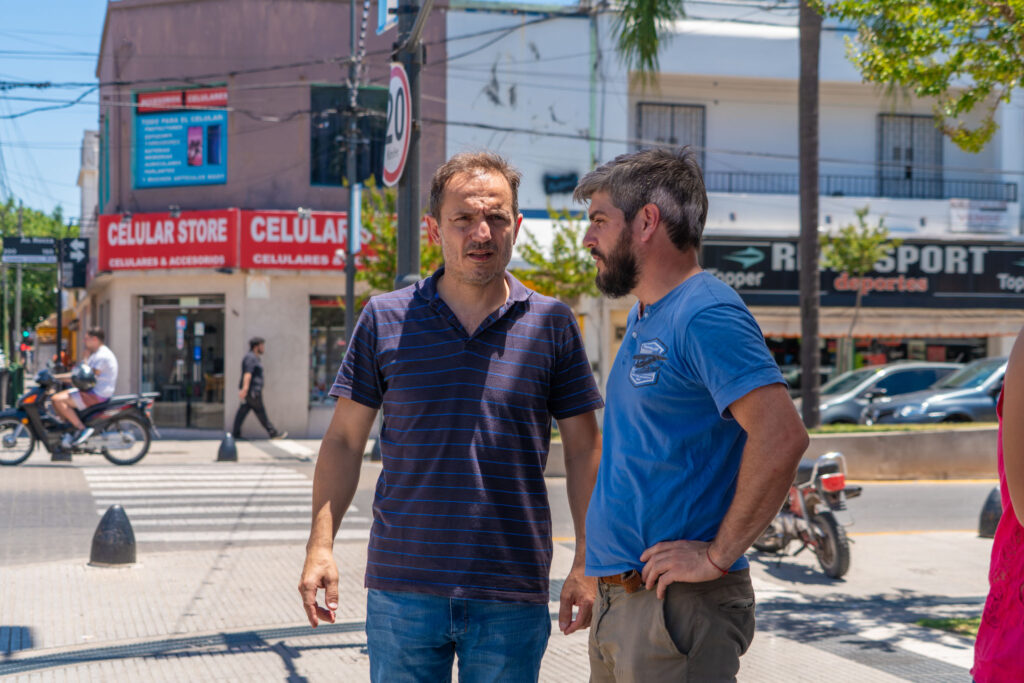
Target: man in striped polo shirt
469,367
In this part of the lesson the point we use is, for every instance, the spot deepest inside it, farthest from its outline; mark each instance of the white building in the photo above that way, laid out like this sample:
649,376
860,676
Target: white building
551,93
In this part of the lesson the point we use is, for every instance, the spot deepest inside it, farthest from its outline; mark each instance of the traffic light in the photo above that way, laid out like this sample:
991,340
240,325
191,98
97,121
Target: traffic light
25,334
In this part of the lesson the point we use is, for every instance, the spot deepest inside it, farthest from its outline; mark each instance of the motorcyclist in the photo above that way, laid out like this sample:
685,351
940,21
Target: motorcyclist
104,367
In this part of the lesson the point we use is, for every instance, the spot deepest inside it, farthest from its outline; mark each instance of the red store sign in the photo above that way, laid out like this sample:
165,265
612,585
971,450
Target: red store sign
282,239
224,238
194,239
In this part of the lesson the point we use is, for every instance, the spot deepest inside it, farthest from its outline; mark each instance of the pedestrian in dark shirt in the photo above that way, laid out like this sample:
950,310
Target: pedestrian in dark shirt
469,367
250,390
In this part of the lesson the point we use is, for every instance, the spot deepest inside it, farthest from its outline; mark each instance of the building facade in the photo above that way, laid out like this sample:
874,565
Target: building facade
222,210
554,96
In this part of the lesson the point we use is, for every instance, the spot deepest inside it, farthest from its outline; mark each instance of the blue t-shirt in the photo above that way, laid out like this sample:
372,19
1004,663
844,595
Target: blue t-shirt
671,450
461,506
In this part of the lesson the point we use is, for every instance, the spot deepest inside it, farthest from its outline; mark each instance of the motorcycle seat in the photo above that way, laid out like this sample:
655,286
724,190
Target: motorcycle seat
803,471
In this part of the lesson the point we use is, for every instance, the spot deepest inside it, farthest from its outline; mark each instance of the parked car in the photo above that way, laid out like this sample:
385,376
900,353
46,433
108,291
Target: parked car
968,395
793,374
844,398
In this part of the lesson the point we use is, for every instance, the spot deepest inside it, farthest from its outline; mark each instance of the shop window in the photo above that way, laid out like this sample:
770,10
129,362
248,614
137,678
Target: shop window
329,123
326,345
670,125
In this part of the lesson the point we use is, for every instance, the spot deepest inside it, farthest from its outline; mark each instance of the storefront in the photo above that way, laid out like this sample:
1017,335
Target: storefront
181,295
925,300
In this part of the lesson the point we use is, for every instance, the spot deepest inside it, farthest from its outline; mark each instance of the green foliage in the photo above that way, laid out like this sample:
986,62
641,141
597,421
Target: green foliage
378,261
856,248
641,25
937,427
37,299
962,626
566,269
962,53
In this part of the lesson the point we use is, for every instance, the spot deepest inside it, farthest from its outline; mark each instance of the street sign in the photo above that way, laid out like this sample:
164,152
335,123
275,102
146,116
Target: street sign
75,262
386,17
399,126
37,250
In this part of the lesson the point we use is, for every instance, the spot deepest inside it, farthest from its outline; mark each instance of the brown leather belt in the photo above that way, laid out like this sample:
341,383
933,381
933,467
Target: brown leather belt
632,581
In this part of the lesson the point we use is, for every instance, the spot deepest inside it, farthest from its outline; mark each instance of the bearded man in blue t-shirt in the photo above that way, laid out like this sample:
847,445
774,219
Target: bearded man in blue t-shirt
700,443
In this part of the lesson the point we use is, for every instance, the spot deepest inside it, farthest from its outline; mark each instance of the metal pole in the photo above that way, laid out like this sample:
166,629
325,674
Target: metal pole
410,54
350,172
60,303
16,341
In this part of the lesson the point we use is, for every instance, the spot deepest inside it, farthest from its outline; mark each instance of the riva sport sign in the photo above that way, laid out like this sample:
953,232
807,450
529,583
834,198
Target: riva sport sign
225,238
915,273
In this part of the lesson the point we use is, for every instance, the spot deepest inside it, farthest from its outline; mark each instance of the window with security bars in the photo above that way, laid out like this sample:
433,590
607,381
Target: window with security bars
670,125
909,157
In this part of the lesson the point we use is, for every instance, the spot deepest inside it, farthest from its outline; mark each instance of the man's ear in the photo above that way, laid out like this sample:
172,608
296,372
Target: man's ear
519,224
651,216
433,229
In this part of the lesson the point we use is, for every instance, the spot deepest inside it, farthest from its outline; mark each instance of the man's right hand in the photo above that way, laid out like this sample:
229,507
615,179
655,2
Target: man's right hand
320,571
242,393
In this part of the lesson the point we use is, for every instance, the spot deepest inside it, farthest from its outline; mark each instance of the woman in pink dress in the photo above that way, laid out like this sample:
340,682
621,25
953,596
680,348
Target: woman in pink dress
999,650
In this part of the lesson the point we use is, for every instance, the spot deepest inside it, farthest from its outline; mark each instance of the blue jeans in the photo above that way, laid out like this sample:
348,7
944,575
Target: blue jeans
414,637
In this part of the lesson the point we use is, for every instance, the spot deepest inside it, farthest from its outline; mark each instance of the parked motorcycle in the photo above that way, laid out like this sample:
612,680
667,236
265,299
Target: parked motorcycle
811,515
123,426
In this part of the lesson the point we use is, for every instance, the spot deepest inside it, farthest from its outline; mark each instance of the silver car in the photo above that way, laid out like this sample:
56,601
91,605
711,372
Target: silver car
968,395
844,398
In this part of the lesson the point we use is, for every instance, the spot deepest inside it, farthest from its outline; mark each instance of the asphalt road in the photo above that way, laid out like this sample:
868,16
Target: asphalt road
50,511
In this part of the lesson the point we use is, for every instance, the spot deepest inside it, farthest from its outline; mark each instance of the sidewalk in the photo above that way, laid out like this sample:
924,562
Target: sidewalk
233,613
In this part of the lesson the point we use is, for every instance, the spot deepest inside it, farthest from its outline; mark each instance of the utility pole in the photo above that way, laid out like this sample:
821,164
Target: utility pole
16,334
354,213
60,302
409,51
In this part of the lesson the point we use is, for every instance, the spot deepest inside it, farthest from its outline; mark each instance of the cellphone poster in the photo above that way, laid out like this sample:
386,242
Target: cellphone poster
181,137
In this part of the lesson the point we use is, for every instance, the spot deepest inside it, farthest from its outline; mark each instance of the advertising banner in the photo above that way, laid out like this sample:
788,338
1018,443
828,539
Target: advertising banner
285,239
913,274
181,138
193,239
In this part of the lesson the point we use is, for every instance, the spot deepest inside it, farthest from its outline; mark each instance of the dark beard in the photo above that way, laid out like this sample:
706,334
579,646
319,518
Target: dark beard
621,271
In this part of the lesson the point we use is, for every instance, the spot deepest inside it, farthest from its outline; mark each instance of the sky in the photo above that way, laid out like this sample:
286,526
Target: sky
55,41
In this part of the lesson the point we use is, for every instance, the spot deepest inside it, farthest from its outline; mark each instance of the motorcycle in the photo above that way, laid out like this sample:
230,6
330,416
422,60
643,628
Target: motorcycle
123,426
811,514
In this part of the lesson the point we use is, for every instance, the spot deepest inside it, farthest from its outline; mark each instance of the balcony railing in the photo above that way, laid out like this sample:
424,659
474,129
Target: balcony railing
861,186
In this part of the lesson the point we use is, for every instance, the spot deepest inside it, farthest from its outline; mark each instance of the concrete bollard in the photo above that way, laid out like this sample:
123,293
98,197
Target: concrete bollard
227,452
113,543
991,511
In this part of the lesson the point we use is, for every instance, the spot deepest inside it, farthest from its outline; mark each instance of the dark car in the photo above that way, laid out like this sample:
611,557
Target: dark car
968,395
845,397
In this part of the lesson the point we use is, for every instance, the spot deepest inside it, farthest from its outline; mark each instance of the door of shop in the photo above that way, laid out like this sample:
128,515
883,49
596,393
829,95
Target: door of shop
182,357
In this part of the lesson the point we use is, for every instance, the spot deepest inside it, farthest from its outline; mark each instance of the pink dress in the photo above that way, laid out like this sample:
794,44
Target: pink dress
999,650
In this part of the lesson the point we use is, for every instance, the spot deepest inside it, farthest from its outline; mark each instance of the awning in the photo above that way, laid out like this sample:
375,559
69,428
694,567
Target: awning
875,323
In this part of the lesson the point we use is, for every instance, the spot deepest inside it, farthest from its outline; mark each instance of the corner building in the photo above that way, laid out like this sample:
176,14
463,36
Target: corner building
222,213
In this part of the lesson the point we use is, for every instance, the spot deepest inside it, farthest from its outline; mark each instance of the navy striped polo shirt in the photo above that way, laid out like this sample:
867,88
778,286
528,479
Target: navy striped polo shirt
461,507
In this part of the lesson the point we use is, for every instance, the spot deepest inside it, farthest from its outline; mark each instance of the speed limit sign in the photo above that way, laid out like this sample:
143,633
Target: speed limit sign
396,141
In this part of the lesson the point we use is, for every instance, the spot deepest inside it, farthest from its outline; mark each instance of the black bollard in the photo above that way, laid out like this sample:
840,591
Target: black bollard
991,511
227,452
114,541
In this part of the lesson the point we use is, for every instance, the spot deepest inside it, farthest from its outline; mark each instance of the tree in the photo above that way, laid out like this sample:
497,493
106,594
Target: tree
854,250
37,290
377,265
565,270
962,53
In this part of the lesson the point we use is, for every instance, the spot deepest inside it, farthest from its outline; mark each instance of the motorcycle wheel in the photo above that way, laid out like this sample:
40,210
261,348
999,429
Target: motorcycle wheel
768,542
133,435
16,442
833,549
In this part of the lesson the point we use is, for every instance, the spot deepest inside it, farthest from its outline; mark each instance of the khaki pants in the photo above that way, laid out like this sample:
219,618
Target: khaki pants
697,633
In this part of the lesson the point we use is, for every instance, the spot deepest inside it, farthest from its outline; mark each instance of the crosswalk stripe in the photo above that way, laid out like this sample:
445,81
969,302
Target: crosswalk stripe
179,496
300,522
294,448
244,493
195,477
154,511
243,535
194,484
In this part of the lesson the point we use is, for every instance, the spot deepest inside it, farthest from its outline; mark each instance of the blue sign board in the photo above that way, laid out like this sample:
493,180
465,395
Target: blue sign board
180,145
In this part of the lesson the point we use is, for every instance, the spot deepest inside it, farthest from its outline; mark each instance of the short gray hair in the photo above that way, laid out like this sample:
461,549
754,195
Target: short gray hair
671,180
